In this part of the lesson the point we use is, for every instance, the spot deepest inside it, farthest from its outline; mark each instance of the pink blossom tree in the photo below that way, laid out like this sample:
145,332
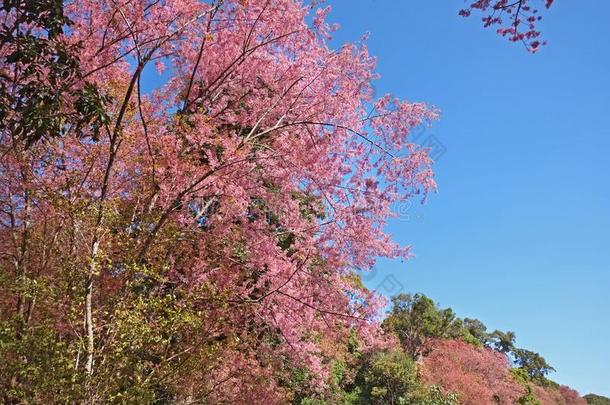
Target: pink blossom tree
561,395
479,376
254,178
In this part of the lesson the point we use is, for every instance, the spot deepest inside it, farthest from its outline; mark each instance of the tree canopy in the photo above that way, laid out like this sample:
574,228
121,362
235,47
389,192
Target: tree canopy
198,242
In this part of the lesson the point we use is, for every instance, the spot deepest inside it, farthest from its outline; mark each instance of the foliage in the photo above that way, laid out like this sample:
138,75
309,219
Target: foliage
541,391
529,398
534,365
43,92
561,395
189,243
381,376
417,322
462,357
477,375
477,330
593,399
504,342
389,378
521,377
435,396
40,361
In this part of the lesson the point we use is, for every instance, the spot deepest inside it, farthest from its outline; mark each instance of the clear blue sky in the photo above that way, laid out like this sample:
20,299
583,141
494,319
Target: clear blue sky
518,235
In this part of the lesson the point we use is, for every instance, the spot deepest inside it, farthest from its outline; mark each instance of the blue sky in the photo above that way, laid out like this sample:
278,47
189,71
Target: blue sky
518,234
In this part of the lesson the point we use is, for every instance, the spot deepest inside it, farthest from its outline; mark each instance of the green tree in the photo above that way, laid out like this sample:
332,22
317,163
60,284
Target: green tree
522,378
593,399
477,330
532,363
390,378
43,92
416,321
503,342
435,396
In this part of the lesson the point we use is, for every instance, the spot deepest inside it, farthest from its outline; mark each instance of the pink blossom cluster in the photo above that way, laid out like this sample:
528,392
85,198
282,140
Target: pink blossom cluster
516,19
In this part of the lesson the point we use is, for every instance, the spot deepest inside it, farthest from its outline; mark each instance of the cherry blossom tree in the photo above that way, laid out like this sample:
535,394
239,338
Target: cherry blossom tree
239,195
561,395
478,375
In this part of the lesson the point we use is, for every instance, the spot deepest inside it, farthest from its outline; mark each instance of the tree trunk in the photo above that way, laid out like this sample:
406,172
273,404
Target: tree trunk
89,306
